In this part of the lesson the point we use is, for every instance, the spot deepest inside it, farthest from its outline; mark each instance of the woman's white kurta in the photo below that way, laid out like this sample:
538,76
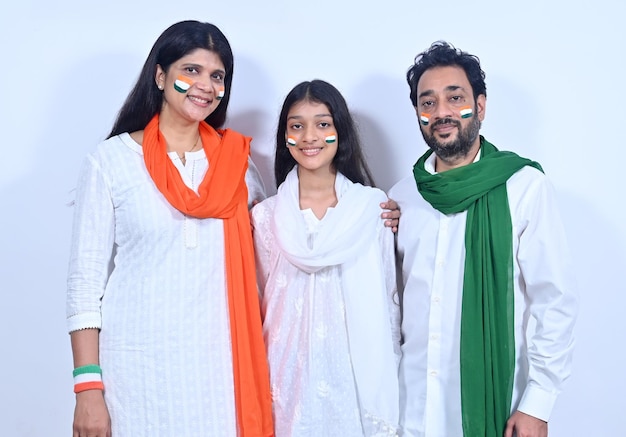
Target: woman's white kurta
153,280
313,385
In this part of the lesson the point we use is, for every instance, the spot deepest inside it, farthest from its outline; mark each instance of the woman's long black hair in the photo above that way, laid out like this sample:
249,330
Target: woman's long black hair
145,100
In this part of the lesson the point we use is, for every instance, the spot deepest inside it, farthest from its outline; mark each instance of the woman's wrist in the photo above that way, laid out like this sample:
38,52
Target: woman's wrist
88,377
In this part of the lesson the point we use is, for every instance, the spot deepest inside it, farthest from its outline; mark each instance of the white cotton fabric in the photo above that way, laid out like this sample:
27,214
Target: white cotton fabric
329,318
152,279
431,251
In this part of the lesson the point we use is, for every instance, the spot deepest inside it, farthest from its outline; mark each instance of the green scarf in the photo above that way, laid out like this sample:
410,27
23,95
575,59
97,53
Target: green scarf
487,340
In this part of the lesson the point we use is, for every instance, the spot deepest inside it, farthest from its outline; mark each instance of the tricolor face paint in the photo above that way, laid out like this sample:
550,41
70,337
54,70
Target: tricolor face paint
220,94
424,119
182,84
466,111
291,141
330,139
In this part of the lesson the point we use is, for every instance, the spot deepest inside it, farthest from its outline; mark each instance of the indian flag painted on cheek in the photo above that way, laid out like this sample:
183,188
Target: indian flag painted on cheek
466,111
220,94
424,118
291,141
330,139
182,84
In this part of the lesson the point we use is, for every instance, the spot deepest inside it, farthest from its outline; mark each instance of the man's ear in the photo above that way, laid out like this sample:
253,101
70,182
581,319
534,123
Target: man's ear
481,106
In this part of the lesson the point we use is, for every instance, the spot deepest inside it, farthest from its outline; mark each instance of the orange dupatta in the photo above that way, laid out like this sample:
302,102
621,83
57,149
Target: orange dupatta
223,194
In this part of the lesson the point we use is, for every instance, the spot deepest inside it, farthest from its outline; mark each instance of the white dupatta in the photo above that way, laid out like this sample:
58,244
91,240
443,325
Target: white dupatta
349,237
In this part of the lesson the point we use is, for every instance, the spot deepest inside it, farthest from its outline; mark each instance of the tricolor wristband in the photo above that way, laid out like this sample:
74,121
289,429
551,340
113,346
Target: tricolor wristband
88,377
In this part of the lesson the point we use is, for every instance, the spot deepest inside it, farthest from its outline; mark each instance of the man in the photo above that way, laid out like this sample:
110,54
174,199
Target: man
487,293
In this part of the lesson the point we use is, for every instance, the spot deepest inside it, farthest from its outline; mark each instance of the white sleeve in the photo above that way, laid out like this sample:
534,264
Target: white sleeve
547,275
387,243
256,187
91,248
261,216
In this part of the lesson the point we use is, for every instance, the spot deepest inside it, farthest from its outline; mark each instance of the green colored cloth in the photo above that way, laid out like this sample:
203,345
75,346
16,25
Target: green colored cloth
487,340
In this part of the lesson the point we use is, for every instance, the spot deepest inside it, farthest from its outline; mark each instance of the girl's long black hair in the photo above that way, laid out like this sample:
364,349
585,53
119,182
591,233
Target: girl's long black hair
349,159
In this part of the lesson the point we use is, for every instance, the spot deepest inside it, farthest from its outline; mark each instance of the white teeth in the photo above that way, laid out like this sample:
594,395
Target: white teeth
311,152
195,99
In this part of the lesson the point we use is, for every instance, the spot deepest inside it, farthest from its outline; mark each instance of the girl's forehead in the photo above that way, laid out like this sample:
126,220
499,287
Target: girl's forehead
308,106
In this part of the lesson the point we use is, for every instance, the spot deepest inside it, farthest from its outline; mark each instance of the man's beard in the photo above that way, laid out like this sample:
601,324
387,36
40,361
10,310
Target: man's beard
458,148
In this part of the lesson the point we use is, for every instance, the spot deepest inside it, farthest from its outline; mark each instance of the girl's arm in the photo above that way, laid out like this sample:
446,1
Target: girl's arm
387,243
260,217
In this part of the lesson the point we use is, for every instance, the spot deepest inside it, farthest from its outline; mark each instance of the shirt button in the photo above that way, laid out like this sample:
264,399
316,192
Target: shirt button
436,299
433,373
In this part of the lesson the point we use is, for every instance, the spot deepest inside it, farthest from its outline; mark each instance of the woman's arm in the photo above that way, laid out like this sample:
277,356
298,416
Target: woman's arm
91,252
91,417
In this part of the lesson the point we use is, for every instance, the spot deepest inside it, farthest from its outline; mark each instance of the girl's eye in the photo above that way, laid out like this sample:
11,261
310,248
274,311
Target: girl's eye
324,124
218,76
296,126
191,70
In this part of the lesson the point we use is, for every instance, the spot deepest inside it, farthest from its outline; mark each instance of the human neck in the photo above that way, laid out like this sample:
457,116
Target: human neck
181,136
317,190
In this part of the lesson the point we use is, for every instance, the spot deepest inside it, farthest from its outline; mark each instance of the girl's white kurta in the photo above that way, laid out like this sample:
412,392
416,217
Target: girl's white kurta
305,329
153,280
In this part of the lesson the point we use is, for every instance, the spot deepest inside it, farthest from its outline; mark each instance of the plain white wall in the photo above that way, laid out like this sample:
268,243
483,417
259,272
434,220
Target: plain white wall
555,78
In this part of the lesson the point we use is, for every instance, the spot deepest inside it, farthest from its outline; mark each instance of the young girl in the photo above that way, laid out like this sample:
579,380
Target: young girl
325,265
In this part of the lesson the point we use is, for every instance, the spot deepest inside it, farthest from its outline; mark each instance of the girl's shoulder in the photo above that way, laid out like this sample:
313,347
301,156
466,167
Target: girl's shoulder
372,193
262,211
378,192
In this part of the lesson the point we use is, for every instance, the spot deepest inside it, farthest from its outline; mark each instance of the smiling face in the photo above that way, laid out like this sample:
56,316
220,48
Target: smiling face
310,126
445,97
192,85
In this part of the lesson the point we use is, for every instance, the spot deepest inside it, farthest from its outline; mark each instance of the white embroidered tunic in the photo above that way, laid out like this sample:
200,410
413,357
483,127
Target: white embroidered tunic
313,383
153,280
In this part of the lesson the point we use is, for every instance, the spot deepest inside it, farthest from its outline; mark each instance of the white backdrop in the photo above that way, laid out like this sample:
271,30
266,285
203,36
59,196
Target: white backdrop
555,78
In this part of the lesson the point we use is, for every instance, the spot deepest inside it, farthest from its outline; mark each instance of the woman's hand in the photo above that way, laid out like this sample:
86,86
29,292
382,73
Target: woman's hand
91,416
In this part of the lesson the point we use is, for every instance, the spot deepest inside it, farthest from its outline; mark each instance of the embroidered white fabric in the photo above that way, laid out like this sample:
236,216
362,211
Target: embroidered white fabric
306,326
165,340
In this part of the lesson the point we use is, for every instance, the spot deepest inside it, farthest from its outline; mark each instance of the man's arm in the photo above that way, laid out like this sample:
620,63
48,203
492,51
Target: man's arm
525,426
391,215
547,274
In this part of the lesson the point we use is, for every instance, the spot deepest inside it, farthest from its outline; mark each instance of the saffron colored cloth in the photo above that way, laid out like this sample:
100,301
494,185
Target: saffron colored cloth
330,312
223,194
153,280
432,255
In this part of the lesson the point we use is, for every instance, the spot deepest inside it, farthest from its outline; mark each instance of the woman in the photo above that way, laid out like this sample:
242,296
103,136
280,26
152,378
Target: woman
326,275
162,299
